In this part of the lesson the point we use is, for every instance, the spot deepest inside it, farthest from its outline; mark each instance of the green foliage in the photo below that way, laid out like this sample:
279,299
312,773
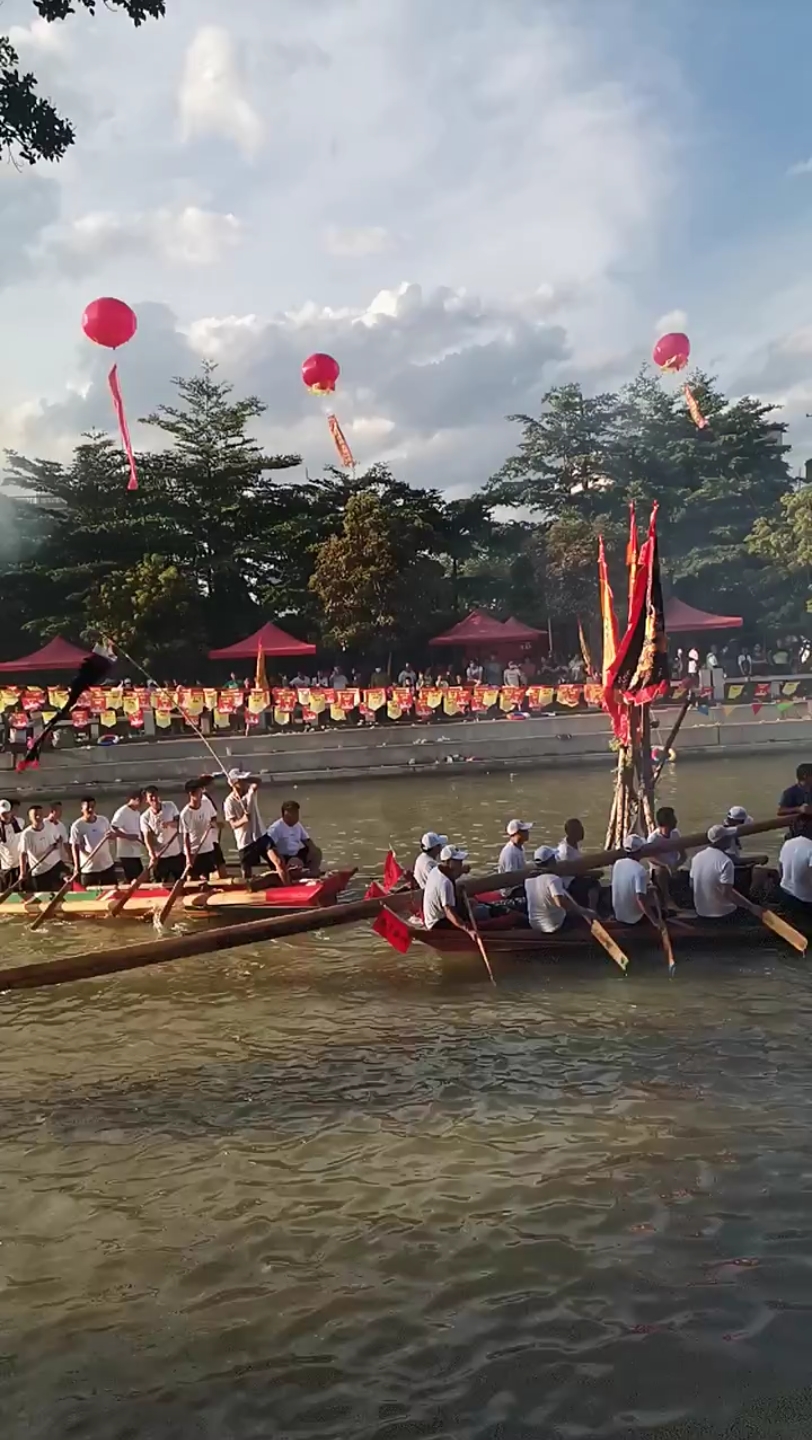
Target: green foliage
374,580
152,609
30,128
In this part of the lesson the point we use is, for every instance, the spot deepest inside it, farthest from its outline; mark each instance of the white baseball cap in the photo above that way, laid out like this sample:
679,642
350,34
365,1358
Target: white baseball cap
5,807
720,832
450,852
432,841
519,827
544,854
737,815
238,775
633,843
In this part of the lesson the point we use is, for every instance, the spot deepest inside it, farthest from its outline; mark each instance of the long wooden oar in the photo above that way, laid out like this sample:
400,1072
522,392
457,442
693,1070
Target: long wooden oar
179,884
11,888
121,900
664,935
480,942
57,899
610,945
773,922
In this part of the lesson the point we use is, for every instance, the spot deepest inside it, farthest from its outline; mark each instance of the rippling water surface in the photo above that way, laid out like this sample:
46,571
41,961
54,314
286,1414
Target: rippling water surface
315,1190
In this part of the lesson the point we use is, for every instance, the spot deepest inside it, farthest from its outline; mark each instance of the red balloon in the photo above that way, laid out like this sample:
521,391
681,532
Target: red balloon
672,351
109,322
320,373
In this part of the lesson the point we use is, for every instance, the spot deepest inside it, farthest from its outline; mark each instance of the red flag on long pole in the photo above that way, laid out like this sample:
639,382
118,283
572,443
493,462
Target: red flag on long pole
118,404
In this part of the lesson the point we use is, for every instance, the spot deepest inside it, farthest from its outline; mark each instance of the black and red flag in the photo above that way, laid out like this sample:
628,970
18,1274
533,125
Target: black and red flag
93,670
640,671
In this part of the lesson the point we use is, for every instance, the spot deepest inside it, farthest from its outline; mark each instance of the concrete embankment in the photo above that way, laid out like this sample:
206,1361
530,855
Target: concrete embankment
398,750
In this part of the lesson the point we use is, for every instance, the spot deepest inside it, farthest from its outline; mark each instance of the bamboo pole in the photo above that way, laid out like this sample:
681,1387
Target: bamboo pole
673,733
158,952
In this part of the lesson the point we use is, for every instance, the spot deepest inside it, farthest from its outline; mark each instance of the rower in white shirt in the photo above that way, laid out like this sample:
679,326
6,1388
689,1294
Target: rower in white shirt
713,877
432,844
40,866
440,896
549,904
512,856
291,842
795,868
126,824
631,899
58,831
584,889
198,828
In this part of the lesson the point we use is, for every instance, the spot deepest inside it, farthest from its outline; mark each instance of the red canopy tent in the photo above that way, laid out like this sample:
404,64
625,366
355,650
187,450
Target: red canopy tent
478,628
514,629
679,616
58,654
270,638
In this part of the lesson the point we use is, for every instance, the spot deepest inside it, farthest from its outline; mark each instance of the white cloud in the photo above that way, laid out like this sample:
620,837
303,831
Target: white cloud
41,36
801,167
673,320
356,244
187,236
212,99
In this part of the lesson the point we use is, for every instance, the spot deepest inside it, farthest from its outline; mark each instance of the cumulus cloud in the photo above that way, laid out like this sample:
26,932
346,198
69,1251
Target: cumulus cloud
190,235
212,99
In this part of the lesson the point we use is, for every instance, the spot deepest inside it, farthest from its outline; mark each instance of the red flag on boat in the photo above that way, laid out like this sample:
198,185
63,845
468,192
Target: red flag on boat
374,891
393,873
393,930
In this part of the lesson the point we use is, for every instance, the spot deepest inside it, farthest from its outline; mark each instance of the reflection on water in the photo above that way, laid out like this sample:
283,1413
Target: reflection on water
318,1190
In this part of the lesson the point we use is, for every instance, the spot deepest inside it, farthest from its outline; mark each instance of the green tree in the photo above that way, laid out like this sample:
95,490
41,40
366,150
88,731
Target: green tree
568,457
374,582
30,127
153,610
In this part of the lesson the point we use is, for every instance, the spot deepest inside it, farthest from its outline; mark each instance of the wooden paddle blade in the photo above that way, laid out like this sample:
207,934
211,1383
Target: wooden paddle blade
610,946
668,948
52,905
787,932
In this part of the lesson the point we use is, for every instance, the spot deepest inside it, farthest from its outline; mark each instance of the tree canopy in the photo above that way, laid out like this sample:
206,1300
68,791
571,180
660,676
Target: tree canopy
221,536
31,128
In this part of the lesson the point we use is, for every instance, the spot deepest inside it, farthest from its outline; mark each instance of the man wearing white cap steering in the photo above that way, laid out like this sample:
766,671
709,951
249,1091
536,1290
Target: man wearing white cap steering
432,844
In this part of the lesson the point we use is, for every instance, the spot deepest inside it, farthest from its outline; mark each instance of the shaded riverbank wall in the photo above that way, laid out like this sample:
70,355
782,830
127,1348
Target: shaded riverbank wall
379,751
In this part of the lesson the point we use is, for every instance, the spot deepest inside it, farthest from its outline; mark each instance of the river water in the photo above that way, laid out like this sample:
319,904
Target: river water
318,1190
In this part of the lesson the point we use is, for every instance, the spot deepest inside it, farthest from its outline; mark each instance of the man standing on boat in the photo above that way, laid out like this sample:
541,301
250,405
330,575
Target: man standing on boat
10,829
432,844
40,855
127,830
550,906
241,810
440,896
199,832
92,856
160,831
799,795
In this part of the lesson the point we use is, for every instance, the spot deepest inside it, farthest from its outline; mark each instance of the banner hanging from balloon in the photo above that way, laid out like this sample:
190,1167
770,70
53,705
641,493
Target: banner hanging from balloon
111,323
344,451
320,374
672,353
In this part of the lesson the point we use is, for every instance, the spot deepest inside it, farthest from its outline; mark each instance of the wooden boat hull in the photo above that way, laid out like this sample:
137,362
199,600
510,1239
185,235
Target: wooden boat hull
233,898
505,937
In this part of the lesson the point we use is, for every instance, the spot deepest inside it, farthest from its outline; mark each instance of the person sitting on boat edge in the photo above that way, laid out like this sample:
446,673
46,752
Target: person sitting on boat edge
290,842
40,855
584,889
745,865
199,831
795,869
631,892
512,856
550,906
440,896
432,844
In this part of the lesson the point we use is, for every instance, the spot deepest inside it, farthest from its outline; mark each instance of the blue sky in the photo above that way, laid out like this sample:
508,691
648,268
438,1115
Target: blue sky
465,201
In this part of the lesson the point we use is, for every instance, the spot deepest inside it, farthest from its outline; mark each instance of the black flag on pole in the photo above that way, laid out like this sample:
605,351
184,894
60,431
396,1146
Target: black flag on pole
93,670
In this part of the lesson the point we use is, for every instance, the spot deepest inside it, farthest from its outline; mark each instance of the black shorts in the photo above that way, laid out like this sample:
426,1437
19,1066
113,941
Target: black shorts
131,867
45,880
254,854
793,905
8,878
169,867
219,857
97,879
204,866
580,888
